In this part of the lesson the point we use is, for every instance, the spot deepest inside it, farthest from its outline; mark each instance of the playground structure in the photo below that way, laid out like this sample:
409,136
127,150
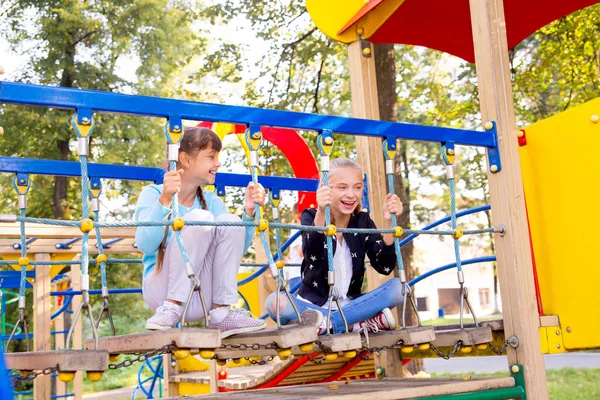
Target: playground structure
554,324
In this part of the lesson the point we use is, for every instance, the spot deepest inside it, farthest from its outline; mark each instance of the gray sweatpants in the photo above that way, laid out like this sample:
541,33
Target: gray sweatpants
215,253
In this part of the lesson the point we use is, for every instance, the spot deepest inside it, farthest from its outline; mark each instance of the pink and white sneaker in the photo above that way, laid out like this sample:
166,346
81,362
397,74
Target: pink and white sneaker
238,320
384,321
166,317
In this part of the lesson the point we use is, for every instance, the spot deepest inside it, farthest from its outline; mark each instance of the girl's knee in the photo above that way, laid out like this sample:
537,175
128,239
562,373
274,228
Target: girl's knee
395,288
231,230
199,215
271,303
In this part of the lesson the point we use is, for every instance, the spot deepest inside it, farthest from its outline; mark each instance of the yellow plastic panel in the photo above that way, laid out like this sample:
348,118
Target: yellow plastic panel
331,16
560,176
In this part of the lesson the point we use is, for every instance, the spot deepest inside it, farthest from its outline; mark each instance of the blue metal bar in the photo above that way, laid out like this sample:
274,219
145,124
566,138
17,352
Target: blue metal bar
110,291
67,245
65,307
109,243
30,335
127,172
160,107
452,265
17,246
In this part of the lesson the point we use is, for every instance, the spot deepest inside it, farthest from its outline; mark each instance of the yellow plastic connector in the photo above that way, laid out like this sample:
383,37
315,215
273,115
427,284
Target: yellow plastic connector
331,230
331,356
101,258
398,231
113,358
221,363
407,349
424,346
178,224
94,376
263,225
86,225
306,348
350,354
25,372
366,51
458,234
23,261
181,354
466,349
280,264
207,354
284,353
236,360
483,346
66,376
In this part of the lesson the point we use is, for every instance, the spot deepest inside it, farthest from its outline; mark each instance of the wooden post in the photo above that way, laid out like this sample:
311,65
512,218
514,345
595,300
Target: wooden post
370,156
171,388
515,271
41,325
77,336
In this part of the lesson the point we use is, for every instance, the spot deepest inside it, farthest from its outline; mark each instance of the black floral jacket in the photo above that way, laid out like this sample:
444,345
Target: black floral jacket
314,268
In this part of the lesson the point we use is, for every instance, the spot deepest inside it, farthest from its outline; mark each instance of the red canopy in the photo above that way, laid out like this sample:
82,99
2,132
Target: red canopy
446,24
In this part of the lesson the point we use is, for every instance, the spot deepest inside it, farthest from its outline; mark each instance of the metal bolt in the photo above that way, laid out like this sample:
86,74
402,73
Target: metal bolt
515,369
360,31
494,168
1,69
568,329
451,152
558,346
520,133
488,125
557,332
594,118
85,120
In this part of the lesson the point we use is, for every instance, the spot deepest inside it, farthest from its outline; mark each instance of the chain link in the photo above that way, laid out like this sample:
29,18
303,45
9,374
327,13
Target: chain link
501,350
261,362
448,356
255,346
315,360
34,374
142,357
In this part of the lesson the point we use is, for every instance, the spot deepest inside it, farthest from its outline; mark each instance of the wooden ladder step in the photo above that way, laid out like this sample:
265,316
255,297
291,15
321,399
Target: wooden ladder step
63,360
409,336
468,336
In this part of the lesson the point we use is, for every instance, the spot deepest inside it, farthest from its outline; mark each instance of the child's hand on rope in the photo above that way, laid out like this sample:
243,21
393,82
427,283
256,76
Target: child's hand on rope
254,194
391,205
324,197
171,185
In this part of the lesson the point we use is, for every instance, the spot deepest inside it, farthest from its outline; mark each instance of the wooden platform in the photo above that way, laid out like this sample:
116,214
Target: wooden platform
380,389
340,342
468,336
409,336
188,338
287,336
64,360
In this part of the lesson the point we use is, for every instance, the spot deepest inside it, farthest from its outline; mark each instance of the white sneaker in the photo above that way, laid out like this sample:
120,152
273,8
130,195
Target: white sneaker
384,321
166,317
238,320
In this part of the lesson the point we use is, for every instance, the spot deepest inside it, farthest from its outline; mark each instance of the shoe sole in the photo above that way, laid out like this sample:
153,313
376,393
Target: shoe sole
156,327
312,317
387,313
242,330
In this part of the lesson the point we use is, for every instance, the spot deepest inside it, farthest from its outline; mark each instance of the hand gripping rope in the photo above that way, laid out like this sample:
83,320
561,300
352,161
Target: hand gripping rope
389,151
22,184
448,154
174,133
253,137
83,124
274,199
325,145
95,189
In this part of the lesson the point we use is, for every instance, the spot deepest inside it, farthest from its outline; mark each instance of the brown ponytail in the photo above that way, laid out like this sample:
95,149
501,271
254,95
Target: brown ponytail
194,140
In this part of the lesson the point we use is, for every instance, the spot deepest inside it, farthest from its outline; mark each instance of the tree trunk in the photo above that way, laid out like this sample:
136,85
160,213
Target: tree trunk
385,64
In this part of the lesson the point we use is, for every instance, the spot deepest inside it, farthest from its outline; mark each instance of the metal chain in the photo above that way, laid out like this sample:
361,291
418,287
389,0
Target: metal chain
448,356
255,346
501,350
34,374
315,360
378,350
261,362
143,357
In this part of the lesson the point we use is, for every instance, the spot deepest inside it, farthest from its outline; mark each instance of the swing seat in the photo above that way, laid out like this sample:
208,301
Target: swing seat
470,336
64,360
410,336
187,338
340,342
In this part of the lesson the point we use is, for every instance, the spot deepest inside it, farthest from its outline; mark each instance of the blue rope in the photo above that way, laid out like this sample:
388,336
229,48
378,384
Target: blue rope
451,184
392,190
100,250
325,178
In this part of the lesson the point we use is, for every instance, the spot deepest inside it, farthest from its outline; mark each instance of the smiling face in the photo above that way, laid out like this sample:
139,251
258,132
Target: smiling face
202,167
347,189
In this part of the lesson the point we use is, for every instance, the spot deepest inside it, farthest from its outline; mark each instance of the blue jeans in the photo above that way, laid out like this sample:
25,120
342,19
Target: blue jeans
366,306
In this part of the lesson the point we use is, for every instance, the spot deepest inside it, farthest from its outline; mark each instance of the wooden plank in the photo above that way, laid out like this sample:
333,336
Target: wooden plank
188,338
409,336
49,246
365,104
340,342
42,231
380,389
494,325
170,370
515,270
549,320
64,360
468,336
41,325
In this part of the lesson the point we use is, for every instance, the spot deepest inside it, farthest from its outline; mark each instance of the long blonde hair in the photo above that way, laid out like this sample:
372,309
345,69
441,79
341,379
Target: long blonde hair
193,141
345,163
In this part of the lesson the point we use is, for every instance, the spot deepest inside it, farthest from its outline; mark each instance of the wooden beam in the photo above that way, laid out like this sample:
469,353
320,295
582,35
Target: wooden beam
13,229
169,370
515,270
49,246
41,325
77,336
370,156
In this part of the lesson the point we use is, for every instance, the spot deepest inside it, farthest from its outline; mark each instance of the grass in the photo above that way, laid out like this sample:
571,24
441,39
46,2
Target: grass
563,384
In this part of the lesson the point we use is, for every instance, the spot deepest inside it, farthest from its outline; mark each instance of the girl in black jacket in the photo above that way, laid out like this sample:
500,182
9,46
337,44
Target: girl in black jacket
370,311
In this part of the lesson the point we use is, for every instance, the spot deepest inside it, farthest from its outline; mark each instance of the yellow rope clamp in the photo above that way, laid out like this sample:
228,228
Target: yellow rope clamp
66,376
22,189
95,192
263,225
326,144
280,264
178,224
253,139
93,376
85,128
331,230
398,231
458,234
449,155
175,134
23,261
86,225
101,258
